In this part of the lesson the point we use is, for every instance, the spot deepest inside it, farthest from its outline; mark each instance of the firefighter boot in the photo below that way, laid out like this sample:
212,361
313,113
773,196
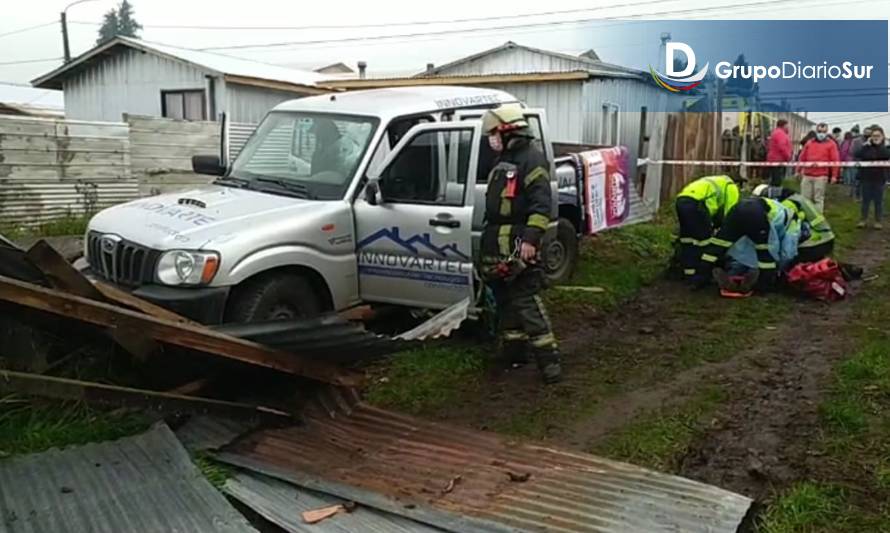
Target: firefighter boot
548,364
514,348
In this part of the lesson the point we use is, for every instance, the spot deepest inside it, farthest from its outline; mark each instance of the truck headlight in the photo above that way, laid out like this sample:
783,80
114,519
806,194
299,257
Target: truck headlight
185,267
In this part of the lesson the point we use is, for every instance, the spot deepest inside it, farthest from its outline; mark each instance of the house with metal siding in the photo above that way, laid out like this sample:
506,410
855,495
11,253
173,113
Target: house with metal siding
137,77
587,101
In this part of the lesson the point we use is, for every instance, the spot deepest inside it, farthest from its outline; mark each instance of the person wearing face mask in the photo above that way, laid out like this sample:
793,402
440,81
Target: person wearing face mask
858,143
873,179
517,213
815,178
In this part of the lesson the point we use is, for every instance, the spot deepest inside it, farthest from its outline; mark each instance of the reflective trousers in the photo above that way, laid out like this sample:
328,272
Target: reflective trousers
695,233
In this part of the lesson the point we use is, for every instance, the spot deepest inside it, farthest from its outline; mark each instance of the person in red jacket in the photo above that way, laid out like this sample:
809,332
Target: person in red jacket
820,149
778,151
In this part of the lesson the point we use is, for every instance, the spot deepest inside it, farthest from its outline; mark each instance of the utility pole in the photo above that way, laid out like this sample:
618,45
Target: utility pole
64,20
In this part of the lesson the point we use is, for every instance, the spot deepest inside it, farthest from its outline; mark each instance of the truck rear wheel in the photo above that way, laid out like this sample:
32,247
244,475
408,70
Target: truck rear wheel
561,253
280,296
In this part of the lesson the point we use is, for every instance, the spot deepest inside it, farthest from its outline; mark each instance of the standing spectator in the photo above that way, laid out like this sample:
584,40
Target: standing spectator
846,155
858,142
821,149
873,179
836,135
778,151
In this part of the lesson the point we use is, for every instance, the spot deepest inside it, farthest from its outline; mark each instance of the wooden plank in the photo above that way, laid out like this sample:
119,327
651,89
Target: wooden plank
62,157
117,396
45,144
61,275
168,332
52,171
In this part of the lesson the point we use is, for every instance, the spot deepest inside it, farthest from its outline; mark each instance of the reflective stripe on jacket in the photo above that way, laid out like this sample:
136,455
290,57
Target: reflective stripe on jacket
810,218
719,194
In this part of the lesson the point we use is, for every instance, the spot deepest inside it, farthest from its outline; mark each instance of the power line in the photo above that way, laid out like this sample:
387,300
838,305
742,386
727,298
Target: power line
395,24
29,28
516,26
23,61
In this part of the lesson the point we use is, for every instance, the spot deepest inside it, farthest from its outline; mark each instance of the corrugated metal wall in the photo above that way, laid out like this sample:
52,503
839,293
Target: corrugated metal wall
560,100
250,104
53,168
126,82
161,151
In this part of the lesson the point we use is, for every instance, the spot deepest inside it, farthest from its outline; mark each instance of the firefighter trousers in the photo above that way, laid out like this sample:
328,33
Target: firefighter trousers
748,219
695,234
523,324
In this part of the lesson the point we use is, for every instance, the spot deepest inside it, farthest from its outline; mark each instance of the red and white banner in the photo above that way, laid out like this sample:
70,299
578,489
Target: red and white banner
606,191
793,164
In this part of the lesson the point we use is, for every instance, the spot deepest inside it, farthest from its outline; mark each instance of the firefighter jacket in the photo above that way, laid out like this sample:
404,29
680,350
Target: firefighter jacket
815,229
718,193
781,244
518,199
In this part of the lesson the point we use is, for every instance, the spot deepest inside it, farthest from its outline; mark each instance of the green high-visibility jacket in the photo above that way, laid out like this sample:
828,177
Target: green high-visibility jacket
719,194
808,215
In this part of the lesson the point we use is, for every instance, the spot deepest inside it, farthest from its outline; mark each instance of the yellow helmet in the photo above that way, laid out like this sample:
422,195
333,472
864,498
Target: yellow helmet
507,117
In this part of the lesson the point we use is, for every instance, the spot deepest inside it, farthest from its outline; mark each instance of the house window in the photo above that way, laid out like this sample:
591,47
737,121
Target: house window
187,105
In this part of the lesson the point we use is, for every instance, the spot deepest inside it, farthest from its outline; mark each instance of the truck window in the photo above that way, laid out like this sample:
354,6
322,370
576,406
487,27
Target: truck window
420,173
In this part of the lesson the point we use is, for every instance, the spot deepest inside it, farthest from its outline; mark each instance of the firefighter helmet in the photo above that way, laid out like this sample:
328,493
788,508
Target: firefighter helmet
507,117
761,190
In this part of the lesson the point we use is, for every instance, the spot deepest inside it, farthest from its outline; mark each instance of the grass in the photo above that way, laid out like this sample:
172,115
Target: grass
216,473
805,507
66,225
420,381
660,439
35,427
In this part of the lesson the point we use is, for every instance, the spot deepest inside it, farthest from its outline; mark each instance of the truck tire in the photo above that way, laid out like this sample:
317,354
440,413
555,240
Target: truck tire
561,253
279,296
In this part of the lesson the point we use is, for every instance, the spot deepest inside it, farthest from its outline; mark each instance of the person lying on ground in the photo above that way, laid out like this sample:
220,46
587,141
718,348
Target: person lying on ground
872,180
816,236
759,233
701,208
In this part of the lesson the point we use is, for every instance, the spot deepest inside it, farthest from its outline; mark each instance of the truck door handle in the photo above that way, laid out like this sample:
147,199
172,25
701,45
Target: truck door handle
445,222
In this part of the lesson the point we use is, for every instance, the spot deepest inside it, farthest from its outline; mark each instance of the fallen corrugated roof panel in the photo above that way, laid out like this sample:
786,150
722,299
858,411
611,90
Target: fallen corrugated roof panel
283,504
145,483
328,338
465,480
207,432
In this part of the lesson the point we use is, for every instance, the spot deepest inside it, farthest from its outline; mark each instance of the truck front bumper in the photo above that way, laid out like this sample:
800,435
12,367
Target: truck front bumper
205,305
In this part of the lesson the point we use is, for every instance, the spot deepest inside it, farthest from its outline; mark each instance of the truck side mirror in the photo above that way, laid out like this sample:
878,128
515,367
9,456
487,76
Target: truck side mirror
372,192
208,164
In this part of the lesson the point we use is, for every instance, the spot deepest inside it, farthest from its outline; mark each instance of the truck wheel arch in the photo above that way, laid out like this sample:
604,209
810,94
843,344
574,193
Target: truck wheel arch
301,277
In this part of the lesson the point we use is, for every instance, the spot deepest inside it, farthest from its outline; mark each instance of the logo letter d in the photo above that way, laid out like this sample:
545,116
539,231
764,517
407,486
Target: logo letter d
669,53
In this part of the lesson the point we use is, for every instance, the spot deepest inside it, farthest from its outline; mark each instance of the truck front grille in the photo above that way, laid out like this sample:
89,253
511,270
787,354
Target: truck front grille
119,261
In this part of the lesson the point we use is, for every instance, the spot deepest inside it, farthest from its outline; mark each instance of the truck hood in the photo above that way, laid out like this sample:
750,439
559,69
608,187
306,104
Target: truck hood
212,214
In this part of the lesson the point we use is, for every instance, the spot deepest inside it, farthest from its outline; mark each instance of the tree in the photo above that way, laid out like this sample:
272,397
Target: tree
120,21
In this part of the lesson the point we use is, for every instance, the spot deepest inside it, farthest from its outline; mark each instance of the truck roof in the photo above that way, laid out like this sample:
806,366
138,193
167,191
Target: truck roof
398,101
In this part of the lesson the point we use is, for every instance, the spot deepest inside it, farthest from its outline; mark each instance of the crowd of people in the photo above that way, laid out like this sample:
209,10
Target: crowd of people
866,183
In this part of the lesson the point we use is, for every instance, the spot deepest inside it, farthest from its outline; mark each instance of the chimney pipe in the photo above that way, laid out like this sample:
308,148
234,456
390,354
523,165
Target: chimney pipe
361,69
429,68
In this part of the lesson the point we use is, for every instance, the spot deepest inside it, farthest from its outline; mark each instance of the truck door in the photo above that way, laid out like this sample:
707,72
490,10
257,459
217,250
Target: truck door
414,247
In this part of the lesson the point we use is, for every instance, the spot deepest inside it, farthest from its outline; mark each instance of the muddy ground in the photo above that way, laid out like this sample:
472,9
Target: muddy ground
770,356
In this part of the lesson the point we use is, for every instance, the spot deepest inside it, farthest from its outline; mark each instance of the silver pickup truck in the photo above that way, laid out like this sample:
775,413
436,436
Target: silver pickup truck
336,200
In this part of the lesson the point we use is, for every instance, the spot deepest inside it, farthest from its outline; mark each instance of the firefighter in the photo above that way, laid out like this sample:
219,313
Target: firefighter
817,237
759,233
517,213
701,208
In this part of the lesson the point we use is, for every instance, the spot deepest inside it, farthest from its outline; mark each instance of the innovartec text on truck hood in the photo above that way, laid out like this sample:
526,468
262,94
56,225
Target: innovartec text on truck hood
209,215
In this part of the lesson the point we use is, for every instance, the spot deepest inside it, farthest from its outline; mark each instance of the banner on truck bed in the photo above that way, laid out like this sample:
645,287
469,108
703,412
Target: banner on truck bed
606,192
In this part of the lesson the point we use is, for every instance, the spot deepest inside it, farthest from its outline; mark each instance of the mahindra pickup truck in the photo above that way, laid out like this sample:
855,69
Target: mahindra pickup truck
366,197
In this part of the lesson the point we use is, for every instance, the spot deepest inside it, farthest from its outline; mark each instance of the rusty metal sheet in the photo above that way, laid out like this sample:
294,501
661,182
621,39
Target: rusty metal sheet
282,504
141,483
464,480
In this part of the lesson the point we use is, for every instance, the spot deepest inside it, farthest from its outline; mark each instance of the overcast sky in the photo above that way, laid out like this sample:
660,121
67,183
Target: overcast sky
402,55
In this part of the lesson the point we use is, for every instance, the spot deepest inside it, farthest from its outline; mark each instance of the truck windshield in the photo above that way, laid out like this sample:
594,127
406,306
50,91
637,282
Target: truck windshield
311,155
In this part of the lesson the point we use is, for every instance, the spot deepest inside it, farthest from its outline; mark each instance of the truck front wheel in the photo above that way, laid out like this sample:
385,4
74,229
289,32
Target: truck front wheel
279,296
561,253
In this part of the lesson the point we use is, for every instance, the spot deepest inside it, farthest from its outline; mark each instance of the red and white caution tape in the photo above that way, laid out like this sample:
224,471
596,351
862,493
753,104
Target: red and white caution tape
794,164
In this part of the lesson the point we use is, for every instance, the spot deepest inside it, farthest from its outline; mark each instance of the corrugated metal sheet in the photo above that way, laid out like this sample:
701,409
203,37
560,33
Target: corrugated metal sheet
464,480
52,168
145,483
239,132
329,338
208,432
250,104
282,504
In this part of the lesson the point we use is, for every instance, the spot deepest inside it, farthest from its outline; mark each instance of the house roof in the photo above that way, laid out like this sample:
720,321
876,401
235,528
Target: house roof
335,68
575,63
238,69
